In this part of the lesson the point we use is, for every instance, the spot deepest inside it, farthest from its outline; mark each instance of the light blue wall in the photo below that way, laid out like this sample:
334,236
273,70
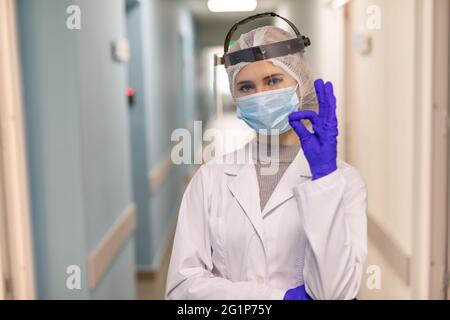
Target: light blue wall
162,70
171,104
89,154
139,138
188,65
78,142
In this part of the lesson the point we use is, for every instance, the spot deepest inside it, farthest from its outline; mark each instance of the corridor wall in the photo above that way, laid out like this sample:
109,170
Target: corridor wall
78,143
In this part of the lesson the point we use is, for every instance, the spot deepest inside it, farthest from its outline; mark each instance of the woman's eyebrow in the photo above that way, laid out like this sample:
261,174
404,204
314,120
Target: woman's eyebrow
273,75
265,78
244,82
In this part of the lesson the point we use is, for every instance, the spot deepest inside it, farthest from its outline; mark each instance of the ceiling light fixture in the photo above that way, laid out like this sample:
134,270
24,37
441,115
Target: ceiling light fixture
232,5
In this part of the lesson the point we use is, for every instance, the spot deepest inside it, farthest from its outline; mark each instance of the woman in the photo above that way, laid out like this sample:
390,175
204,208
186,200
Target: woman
298,233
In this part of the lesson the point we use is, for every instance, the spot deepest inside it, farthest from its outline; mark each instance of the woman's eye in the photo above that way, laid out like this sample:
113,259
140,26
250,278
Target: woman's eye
246,88
275,81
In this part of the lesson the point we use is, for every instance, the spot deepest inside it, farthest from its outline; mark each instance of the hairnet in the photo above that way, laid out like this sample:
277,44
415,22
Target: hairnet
294,64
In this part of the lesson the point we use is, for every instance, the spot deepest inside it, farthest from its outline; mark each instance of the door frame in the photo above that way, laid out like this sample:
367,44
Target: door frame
440,153
349,83
17,254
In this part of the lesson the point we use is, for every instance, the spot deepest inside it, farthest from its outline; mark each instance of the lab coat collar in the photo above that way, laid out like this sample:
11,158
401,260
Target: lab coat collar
244,185
233,166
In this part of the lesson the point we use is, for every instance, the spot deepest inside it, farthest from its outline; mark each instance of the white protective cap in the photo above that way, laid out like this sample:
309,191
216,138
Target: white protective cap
294,64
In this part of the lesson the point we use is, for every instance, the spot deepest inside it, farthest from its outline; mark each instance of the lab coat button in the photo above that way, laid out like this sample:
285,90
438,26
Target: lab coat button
260,280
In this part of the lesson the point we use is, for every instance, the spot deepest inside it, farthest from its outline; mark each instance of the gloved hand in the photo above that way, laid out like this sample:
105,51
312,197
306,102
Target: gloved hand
298,293
320,147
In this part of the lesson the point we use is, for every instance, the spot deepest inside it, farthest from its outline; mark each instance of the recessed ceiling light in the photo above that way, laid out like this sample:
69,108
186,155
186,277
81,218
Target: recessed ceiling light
335,4
232,5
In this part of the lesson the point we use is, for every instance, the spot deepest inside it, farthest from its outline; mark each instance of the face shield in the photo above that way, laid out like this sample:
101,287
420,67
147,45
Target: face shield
268,75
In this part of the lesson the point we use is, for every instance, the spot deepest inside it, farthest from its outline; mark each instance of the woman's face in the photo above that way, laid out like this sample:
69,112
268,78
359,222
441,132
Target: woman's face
261,76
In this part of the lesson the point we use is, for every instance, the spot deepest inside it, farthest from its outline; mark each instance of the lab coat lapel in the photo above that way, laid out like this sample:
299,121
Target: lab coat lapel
243,185
297,172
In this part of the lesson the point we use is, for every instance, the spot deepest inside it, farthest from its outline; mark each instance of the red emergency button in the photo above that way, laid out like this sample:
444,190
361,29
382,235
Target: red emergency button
130,93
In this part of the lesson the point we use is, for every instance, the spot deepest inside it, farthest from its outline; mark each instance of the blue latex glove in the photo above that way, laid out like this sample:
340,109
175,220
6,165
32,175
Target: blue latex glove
320,147
298,293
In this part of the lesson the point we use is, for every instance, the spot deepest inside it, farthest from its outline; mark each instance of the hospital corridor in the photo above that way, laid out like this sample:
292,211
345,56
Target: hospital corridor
113,114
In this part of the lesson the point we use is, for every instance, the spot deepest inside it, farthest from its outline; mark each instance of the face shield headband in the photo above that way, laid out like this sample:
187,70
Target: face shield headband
263,52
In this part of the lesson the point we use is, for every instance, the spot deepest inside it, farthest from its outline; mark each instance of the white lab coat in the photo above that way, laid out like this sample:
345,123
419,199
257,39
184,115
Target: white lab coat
309,232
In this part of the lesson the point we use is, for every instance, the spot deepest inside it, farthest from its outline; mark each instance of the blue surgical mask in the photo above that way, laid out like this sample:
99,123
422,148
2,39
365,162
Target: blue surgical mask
269,110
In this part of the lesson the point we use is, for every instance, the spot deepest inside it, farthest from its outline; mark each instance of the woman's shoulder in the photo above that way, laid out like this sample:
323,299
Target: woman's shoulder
214,168
351,174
